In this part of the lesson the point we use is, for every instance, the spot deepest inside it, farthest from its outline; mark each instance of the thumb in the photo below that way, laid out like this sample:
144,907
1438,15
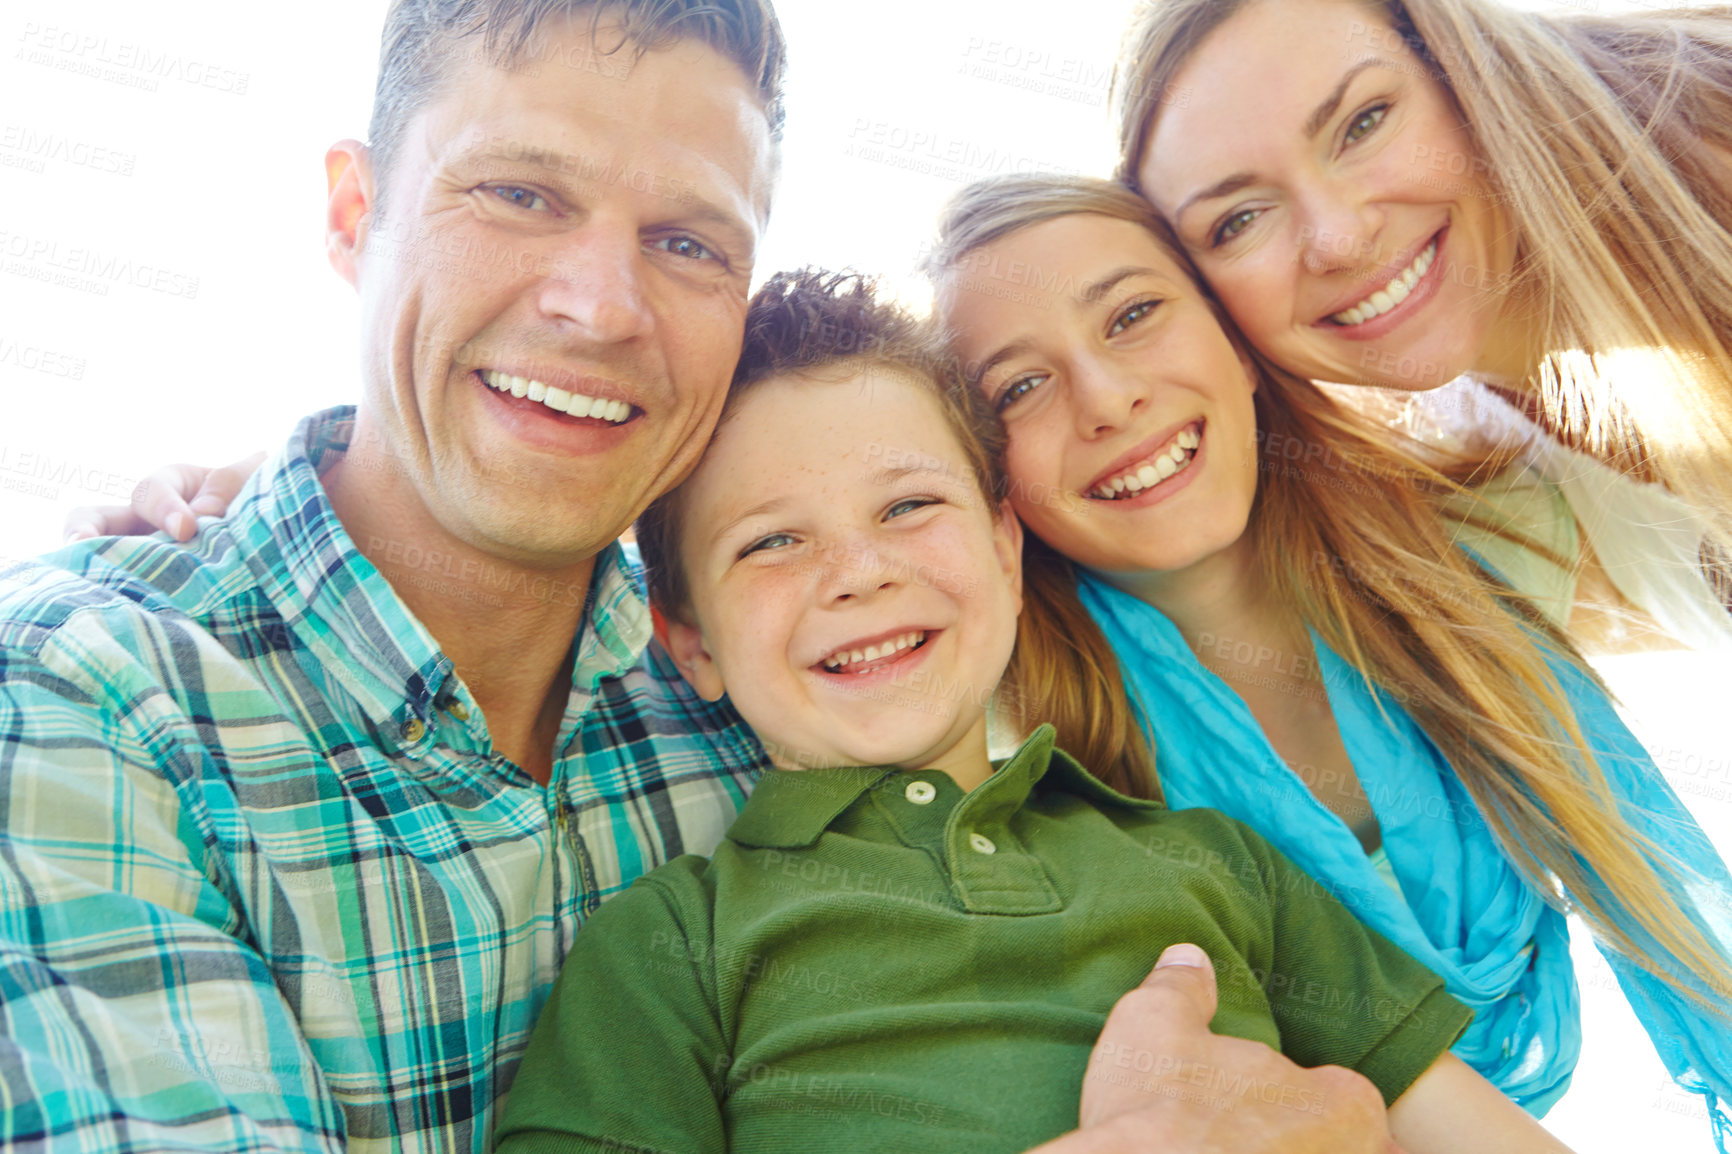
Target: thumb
1186,972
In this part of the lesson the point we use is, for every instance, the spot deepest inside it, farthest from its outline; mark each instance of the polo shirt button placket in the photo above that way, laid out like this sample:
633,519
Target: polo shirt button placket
920,792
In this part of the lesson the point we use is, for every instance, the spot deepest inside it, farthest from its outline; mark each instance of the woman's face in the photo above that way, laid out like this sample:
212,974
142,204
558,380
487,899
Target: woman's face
1324,183
1132,432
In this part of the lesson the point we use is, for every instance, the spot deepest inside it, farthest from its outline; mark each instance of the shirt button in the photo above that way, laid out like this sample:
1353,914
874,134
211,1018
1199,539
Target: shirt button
413,730
981,843
458,710
920,792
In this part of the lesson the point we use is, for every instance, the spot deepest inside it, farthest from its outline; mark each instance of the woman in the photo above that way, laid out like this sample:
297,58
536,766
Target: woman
1398,194
1402,724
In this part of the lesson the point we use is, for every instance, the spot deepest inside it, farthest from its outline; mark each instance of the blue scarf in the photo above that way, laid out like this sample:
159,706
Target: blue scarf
1464,910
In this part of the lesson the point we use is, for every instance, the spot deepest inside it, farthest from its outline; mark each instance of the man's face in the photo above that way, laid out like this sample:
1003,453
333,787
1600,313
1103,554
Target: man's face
575,233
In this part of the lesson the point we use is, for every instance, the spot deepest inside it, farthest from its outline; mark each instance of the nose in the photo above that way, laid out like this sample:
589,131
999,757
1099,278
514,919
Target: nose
1104,397
594,283
855,568
1338,230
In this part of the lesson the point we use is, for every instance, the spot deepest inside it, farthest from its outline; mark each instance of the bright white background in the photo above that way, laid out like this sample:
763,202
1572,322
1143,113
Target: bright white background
173,151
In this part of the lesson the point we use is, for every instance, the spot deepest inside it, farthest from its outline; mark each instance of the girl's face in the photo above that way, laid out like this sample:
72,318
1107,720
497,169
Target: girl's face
1325,185
851,590
1132,432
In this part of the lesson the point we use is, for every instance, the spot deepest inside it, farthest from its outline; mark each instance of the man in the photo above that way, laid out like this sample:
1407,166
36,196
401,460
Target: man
302,816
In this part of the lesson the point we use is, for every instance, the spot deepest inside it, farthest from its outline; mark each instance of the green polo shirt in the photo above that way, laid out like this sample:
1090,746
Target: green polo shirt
875,961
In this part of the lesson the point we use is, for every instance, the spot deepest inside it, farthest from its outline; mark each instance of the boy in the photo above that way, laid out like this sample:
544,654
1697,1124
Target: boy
920,956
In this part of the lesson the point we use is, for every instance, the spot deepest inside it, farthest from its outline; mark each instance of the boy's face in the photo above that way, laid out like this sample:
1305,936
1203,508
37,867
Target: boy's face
851,590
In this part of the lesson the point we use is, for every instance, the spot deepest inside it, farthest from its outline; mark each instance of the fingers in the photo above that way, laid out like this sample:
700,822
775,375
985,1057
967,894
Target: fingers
172,499
101,521
1162,1023
161,499
221,486
1181,988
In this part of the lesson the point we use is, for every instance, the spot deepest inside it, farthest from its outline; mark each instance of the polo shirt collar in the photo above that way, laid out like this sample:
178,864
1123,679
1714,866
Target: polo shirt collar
361,634
789,809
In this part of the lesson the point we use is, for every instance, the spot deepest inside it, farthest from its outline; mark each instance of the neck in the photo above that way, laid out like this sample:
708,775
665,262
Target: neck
506,626
1510,358
967,761
1223,597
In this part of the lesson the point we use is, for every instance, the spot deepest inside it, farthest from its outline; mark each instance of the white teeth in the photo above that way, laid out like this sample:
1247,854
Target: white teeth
1173,459
557,399
843,658
1390,294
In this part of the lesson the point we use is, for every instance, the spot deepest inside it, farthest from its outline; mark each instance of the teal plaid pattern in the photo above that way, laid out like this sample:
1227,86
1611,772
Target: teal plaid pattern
264,884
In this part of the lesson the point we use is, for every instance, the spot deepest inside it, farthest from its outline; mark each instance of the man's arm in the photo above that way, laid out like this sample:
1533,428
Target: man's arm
133,1014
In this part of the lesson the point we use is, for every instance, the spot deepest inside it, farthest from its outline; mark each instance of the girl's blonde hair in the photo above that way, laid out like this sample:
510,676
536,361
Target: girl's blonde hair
1359,539
1609,142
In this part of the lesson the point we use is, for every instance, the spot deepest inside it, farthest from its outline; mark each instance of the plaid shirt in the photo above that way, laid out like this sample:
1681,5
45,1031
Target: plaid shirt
264,882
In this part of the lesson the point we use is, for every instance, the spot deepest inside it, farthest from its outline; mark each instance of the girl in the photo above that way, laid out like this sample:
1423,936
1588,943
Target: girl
1399,193
1309,649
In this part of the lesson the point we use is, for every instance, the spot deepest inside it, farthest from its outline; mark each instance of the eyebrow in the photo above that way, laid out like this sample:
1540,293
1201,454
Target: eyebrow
695,206
892,473
1088,294
1320,116
1326,107
881,476
1091,293
770,506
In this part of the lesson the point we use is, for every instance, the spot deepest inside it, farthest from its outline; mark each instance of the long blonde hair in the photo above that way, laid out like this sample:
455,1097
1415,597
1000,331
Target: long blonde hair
1359,539
1603,154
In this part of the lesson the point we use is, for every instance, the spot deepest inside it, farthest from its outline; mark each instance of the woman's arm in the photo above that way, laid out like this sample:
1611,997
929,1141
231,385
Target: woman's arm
1450,1108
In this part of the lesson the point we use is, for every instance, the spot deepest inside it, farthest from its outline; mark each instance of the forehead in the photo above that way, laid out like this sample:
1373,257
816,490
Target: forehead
1047,272
843,425
682,119
1249,87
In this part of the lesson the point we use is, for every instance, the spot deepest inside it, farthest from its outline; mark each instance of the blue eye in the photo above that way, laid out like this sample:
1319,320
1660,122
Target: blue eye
1018,389
521,197
1234,225
1130,317
908,505
769,541
684,246
1362,125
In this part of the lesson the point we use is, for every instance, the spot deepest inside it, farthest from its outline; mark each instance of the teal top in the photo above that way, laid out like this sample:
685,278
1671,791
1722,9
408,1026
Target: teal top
1460,905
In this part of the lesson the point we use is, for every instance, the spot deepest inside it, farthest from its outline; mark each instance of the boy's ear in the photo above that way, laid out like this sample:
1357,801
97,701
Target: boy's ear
1007,543
686,646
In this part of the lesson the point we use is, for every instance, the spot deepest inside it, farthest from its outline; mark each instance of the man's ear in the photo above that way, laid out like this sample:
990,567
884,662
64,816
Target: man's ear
686,646
1007,543
349,204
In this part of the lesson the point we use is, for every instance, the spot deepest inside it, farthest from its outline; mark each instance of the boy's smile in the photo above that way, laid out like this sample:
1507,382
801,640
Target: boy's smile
851,590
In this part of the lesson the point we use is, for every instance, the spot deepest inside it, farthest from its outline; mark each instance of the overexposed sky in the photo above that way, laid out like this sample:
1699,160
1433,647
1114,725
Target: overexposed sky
164,293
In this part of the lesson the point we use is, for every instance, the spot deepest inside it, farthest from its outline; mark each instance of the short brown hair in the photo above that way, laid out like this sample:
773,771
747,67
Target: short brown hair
420,35
810,320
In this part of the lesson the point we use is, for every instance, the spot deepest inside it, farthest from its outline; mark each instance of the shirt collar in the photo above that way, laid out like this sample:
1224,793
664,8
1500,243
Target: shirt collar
790,808
361,634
